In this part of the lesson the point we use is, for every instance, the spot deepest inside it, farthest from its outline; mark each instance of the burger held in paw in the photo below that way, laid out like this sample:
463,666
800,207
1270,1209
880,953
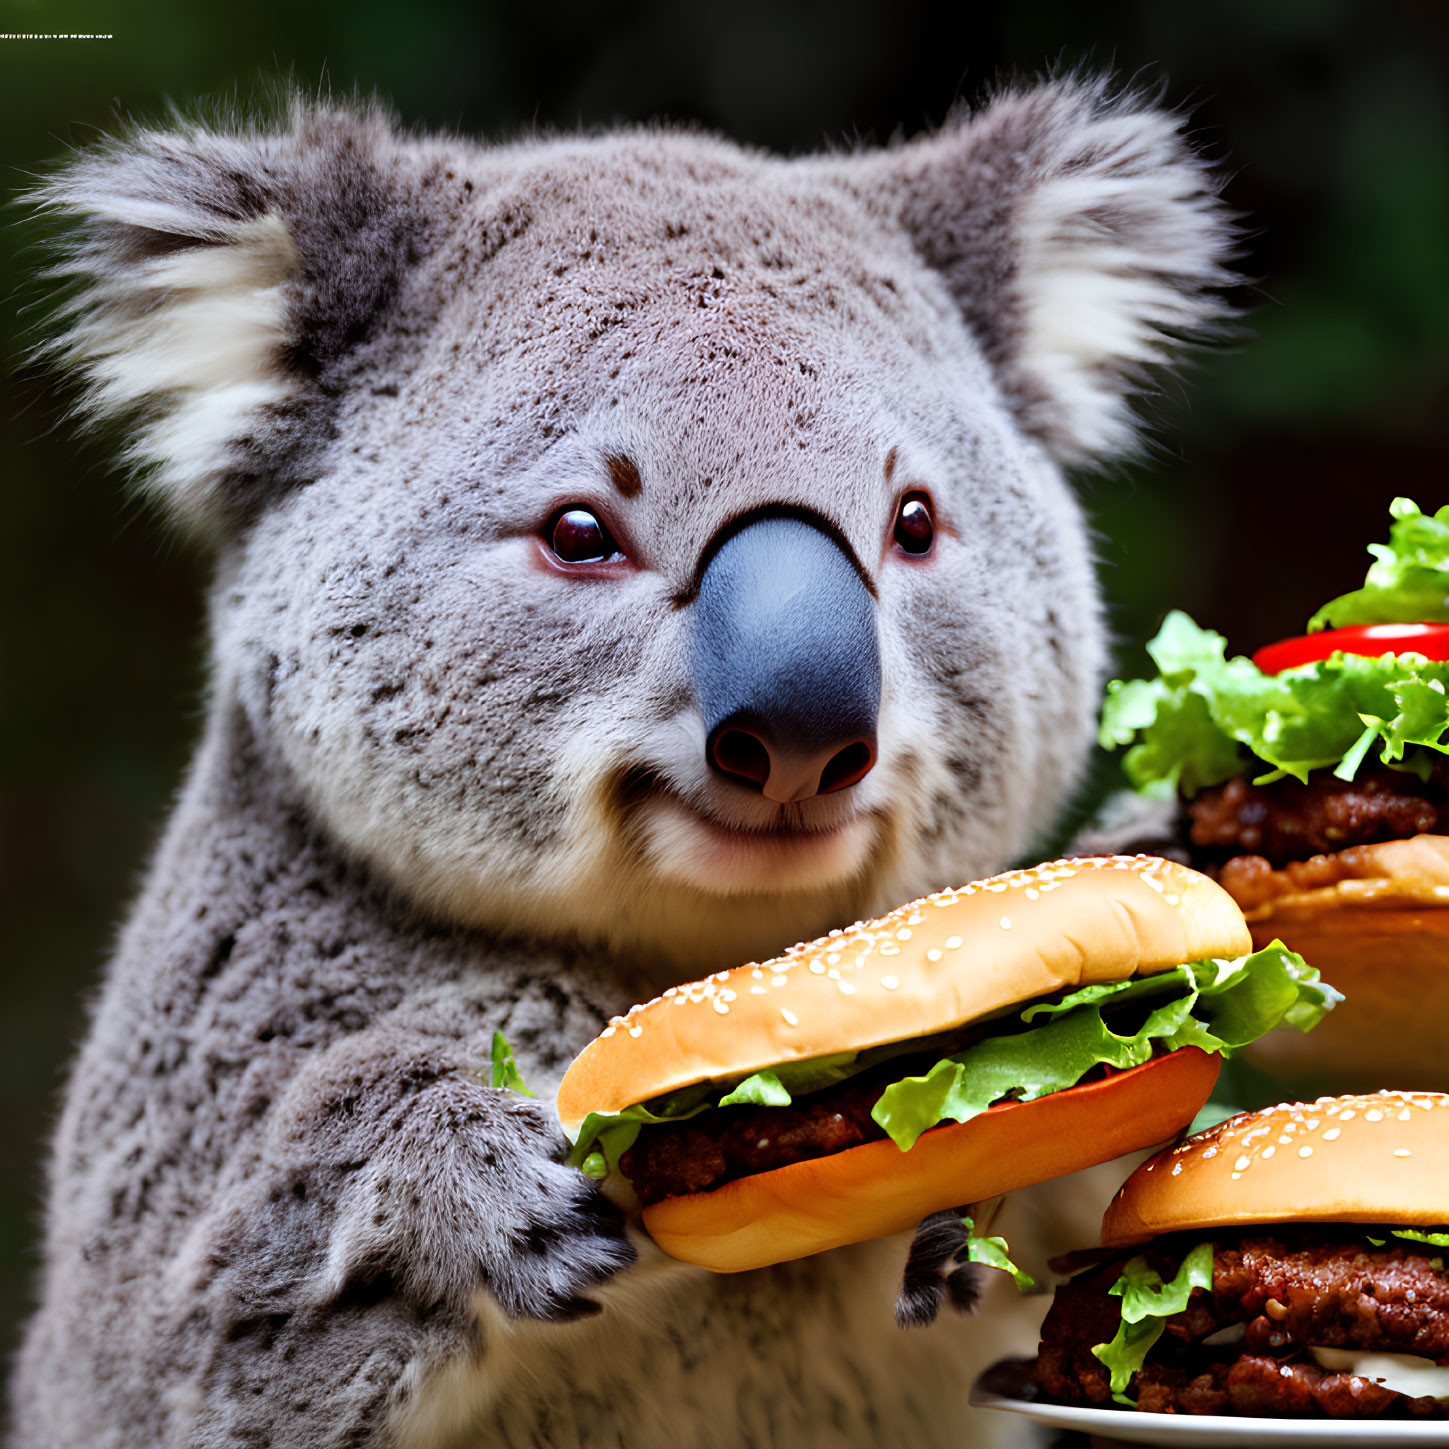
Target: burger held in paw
983,1038
1315,786
1288,1262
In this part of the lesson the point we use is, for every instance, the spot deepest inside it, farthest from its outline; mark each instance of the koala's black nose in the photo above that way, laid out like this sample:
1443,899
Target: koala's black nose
786,664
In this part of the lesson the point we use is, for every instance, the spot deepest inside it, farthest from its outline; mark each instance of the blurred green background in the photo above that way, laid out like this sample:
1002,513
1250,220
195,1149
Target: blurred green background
1274,465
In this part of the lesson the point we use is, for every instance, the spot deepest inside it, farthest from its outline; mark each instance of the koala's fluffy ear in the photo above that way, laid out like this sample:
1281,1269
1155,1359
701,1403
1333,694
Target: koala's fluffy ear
221,275
1083,240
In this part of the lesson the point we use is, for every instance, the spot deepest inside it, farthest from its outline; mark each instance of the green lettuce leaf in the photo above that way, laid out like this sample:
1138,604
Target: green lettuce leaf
1218,1006
994,1253
1176,744
1147,1304
1206,717
764,1089
1435,1240
604,1137
1408,581
505,1071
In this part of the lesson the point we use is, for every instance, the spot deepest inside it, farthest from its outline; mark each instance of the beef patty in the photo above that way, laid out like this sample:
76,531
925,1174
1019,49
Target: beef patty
1287,820
703,1153
1288,1290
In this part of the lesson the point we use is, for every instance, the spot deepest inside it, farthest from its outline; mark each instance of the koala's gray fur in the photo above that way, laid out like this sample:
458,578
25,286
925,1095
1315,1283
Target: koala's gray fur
448,787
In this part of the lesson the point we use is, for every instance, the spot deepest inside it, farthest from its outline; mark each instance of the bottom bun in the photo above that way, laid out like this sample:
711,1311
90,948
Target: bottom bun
876,1189
1392,966
1374,920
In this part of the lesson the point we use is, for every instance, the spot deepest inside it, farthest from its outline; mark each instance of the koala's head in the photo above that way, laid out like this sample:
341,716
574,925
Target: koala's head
635,537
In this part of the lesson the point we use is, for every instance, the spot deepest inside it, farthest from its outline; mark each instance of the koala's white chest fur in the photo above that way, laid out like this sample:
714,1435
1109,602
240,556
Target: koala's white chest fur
807,1354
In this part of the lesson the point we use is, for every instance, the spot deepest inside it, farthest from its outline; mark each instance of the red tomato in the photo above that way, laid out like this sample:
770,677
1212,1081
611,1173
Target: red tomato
1430,640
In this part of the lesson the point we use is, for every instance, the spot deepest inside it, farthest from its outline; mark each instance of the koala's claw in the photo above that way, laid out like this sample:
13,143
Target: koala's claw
577,1242
926,1283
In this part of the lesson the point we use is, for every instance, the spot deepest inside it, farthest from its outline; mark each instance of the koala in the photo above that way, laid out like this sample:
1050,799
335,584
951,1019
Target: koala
631,553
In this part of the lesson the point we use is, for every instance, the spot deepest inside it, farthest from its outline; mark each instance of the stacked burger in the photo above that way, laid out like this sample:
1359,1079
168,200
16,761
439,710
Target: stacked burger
1288,1262
1315,786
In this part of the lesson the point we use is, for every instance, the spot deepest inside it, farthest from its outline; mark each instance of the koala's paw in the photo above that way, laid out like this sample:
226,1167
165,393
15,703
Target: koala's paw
563,1238
467,1189
934,1272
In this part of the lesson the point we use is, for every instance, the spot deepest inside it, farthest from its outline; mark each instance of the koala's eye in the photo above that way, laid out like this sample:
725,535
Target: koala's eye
915,525
577,536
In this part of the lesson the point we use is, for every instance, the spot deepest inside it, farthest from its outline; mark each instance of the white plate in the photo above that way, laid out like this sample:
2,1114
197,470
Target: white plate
1008,1385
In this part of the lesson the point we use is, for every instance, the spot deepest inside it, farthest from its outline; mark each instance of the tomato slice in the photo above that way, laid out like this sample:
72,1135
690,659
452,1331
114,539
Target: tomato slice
1430,640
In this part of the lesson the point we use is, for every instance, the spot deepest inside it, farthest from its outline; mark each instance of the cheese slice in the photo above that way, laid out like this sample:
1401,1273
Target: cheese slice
1404,1373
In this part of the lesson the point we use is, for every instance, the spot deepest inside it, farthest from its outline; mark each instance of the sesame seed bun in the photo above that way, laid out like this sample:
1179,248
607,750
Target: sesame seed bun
876,1189
927,967
1379,1158
1377,928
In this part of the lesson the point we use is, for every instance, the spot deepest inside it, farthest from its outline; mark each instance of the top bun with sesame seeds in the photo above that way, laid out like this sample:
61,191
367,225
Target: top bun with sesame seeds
1380,1158
935,964
778,1109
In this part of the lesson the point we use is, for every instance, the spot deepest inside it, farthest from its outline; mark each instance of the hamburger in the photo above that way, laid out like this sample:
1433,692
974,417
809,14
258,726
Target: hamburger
976,1040
1285,1262
1314,786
